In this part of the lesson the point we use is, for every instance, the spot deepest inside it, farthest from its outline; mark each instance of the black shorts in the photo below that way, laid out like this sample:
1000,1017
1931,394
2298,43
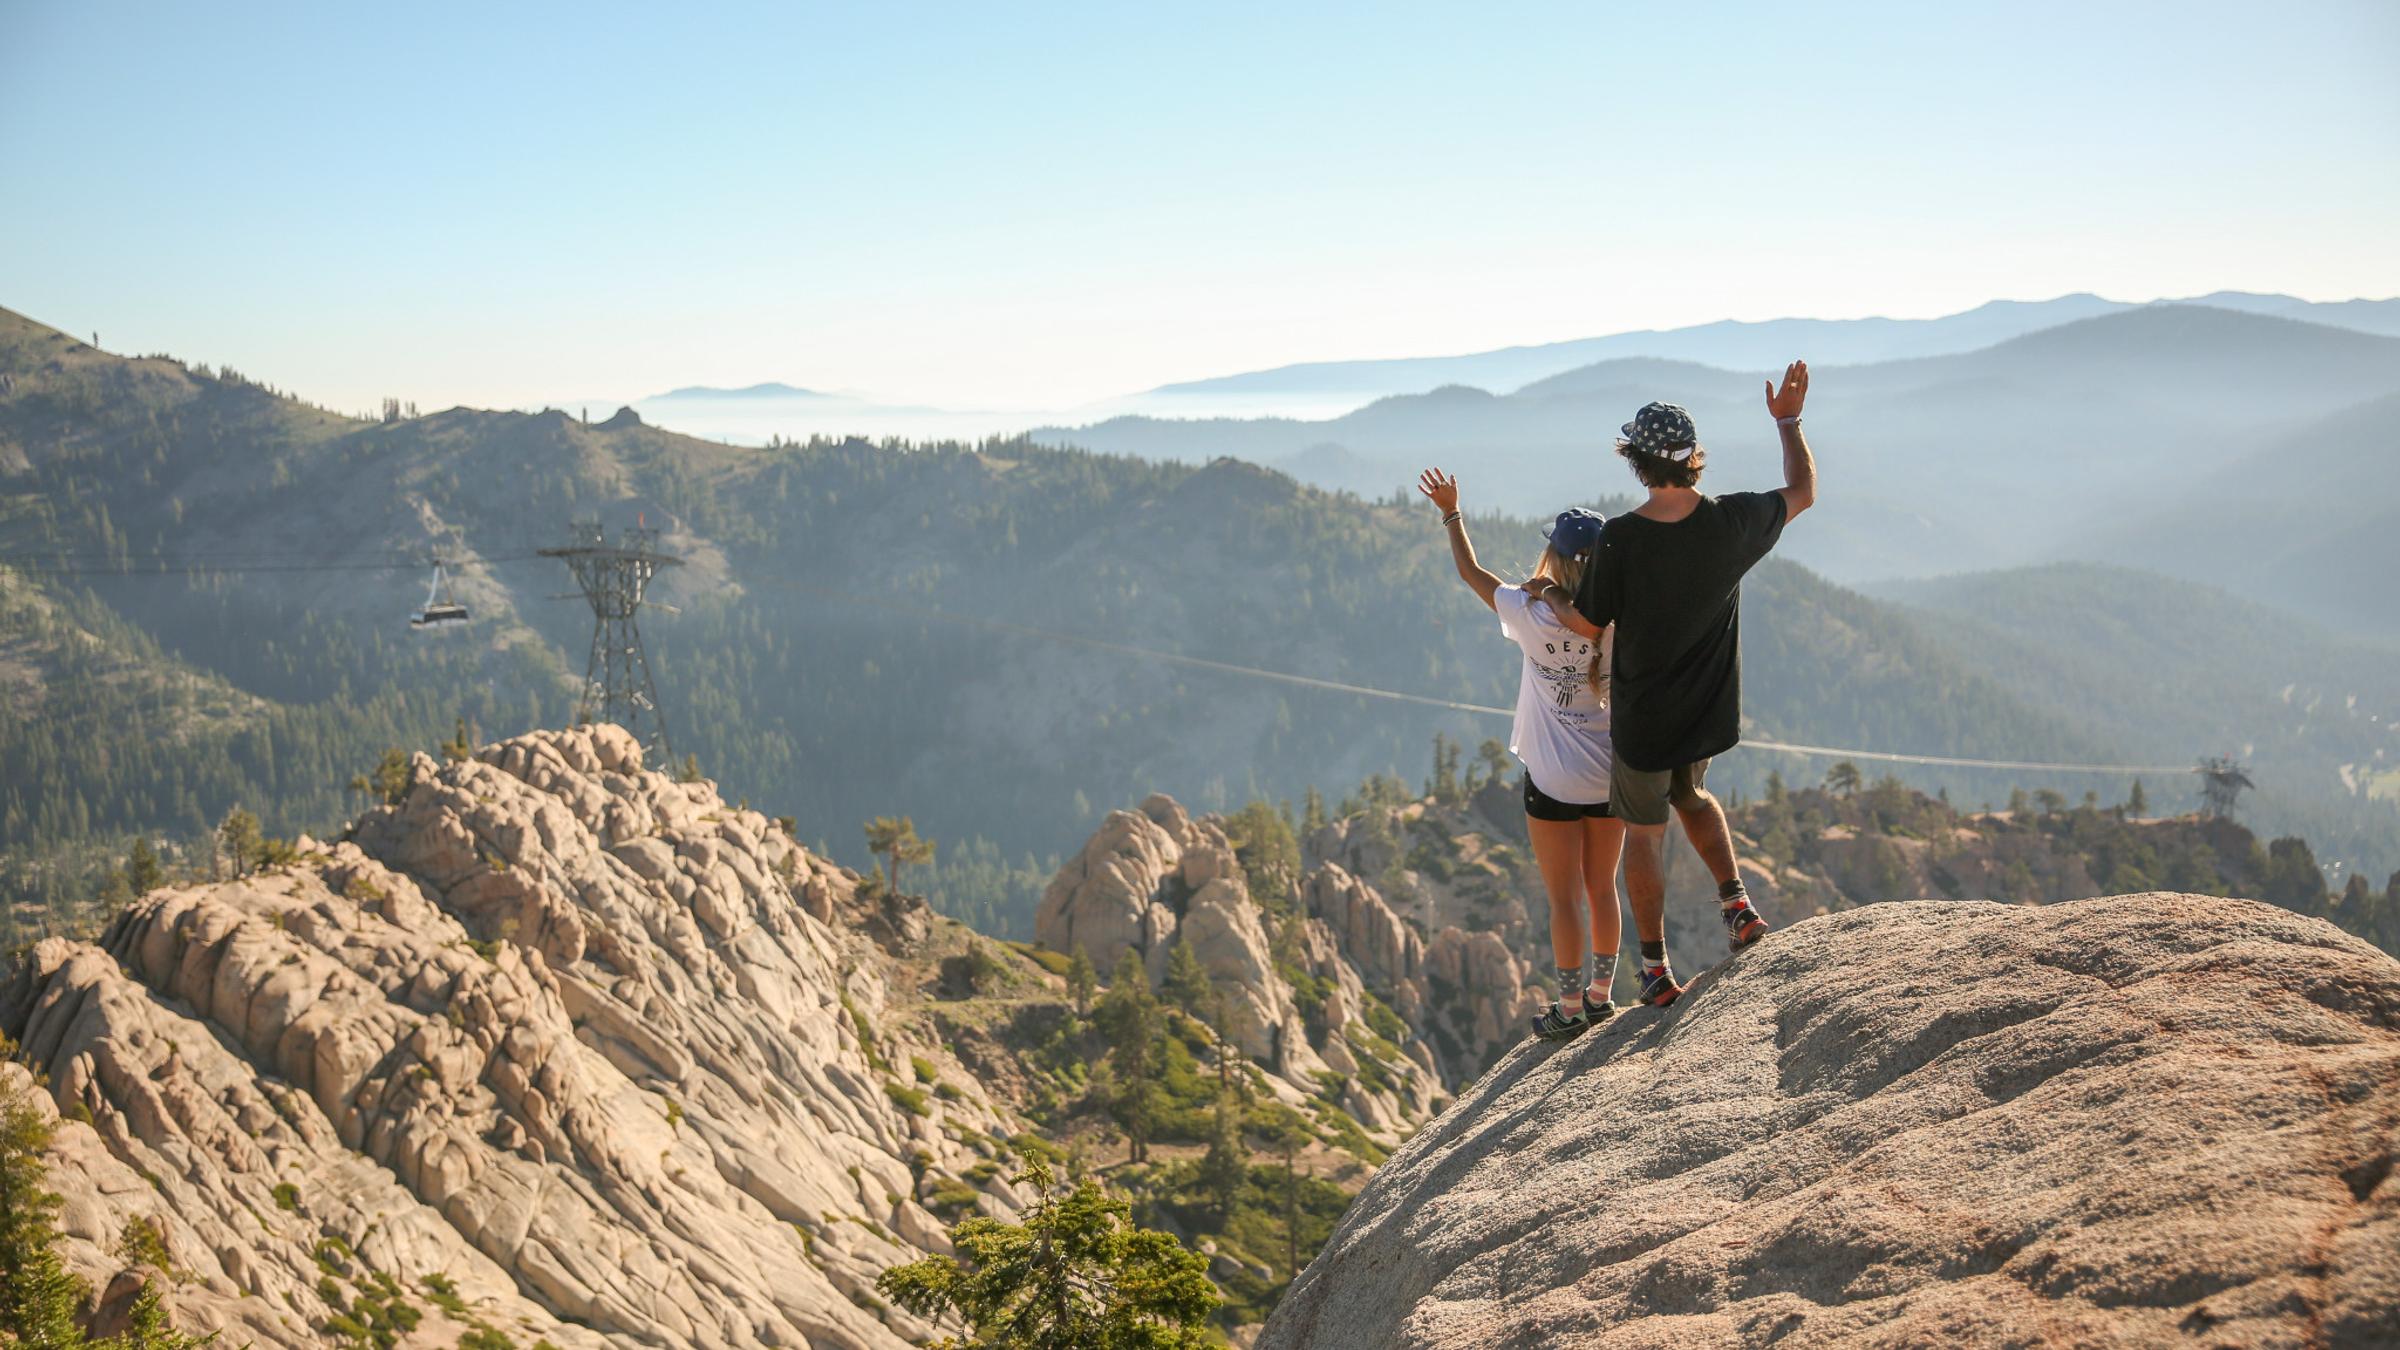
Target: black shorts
1542,806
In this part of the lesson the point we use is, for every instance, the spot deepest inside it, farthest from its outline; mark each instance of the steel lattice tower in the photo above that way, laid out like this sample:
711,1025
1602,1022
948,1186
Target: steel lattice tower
616,680
2221,784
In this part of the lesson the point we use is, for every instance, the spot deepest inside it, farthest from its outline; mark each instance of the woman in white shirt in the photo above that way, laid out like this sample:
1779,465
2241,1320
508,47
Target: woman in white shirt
1561,736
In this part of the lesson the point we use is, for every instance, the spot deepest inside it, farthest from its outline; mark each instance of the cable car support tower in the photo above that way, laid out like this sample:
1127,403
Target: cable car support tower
615,578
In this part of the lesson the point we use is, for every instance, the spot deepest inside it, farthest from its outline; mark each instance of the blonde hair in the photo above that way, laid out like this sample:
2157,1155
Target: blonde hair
1568,573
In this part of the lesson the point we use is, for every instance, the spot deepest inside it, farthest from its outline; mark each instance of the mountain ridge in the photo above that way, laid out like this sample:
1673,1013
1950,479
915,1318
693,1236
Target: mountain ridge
766,389
1829,339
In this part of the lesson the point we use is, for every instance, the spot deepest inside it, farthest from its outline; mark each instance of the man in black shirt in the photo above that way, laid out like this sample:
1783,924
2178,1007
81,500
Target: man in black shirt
1668,574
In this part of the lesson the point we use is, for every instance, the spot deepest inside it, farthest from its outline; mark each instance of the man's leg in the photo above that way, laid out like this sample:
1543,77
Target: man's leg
1646,883
1704,824
1640,800
1703,818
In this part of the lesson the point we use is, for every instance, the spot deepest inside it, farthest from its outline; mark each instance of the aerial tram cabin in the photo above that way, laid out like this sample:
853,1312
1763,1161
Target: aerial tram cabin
440,610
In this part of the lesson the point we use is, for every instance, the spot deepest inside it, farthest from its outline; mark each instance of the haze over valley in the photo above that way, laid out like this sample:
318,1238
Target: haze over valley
866,628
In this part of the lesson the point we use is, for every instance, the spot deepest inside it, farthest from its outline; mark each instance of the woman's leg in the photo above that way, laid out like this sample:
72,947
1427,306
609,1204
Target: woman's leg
1558,851
1603,845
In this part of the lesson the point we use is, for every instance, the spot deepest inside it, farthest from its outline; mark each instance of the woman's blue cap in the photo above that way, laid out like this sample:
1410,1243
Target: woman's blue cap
1575,531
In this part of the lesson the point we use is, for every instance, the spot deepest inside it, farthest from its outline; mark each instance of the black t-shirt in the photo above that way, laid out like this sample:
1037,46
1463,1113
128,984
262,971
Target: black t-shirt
1674,591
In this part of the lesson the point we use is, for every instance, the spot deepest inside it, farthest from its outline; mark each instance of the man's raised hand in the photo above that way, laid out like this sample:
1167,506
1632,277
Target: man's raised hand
1785,402
1440,488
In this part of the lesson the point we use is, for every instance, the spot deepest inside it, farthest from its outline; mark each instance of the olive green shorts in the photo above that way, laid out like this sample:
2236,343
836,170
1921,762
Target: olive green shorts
1643,798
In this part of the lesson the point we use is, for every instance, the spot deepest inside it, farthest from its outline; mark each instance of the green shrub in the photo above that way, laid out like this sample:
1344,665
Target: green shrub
1054,962
443,1294
142,1243
1034,1148
909,1099
950,1199
865,1030
926,1073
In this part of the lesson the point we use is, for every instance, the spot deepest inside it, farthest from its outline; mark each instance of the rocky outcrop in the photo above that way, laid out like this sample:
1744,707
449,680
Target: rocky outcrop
1113,897
572,1037
1389,953
1227,936
1474,1000
2133,1121
1294,998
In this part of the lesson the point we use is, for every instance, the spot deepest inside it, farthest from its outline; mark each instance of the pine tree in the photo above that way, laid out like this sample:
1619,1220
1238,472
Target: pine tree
1287,1134
1186,985
2291,878
895,840
1077,1273
2137,801
1443,786
394,775
1843,778
1312,811
1082,980
39,1296
1226,1166
238,838
142,871
146,1327
1128,1015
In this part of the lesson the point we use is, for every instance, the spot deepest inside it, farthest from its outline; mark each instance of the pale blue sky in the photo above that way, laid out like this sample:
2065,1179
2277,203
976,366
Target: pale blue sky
492,204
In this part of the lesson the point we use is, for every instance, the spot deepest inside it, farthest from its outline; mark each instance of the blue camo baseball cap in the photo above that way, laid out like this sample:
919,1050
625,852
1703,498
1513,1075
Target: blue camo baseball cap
1575,531
1661,429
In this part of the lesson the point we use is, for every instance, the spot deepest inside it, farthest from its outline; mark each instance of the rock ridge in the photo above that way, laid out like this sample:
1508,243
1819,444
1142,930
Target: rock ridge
2124,1121
583,1041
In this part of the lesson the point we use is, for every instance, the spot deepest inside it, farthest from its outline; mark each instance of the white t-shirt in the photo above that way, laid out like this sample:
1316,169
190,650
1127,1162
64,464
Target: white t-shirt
1561,732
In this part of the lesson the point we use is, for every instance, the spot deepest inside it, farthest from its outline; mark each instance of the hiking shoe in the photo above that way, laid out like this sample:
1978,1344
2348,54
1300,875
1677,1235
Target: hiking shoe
1659,988
1743,926
1596,1006
1551,1024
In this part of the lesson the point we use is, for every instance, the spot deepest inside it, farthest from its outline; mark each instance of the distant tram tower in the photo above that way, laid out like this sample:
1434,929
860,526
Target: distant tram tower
2221,784
616,680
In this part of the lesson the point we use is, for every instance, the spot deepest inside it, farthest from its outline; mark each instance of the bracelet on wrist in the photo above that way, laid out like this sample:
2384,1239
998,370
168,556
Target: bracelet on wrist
1791,421
1453,518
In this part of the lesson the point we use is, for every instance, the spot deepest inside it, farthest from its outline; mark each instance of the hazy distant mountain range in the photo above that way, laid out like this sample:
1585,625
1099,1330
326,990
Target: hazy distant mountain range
1736,345
1334,386
2228,445
770,389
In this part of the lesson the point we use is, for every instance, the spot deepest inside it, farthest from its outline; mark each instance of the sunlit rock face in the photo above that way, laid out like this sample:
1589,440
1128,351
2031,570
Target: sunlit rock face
2143,1120
550,1030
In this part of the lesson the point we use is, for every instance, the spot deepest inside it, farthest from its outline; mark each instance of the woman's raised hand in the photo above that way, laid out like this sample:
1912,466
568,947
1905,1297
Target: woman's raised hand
1440,488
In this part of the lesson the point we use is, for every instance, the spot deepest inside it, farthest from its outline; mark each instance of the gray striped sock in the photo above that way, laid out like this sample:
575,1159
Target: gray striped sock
1600,970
